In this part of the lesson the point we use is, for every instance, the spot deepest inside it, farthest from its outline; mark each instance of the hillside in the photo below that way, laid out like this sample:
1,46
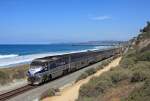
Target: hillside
130,81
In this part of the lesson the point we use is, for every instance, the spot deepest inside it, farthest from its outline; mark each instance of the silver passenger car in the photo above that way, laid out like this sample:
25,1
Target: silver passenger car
47,68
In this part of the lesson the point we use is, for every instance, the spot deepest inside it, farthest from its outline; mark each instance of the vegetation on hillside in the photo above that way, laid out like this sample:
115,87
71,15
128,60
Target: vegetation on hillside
134,68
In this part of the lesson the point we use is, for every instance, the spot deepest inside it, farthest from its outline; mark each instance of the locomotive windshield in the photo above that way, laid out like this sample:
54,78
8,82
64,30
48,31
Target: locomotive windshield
38,64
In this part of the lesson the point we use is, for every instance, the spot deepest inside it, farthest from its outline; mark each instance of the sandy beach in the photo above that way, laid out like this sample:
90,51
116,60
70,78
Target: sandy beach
70,93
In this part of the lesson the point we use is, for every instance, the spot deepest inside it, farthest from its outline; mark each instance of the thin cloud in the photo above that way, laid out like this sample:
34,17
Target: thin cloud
101,18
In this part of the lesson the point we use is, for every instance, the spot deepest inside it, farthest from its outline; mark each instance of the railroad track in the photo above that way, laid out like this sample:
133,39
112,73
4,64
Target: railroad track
13,93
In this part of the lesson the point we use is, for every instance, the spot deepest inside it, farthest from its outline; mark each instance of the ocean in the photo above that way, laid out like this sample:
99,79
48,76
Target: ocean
17,54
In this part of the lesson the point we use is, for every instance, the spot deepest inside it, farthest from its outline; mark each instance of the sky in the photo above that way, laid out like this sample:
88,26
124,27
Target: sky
56,21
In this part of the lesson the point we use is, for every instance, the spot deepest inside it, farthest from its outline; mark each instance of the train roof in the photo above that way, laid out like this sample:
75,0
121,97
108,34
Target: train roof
48,58
56,57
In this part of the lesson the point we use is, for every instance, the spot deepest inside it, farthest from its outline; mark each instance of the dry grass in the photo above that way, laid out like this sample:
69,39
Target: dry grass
120,91
7,75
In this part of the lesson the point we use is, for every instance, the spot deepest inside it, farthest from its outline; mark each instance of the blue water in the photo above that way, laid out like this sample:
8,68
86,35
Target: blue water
35,49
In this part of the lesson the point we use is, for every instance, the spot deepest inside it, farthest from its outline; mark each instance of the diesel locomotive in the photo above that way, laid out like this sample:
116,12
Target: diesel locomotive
50,67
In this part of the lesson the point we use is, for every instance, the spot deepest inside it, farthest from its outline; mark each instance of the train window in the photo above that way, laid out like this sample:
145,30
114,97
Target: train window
46,65
53,65
37,64
66,59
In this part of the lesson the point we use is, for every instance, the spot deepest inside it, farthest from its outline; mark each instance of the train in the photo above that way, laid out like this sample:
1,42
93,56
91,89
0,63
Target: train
50,67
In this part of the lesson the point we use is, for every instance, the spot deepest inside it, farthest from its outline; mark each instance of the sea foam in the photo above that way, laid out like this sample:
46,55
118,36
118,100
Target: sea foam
8,56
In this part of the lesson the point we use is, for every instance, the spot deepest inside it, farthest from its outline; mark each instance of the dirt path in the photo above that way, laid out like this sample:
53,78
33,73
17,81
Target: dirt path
71,93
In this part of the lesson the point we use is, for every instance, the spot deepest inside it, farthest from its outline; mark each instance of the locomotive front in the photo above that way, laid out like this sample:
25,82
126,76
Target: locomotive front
36,71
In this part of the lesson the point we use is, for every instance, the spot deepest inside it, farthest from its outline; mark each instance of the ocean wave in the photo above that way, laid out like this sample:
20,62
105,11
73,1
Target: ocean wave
8,56
102,47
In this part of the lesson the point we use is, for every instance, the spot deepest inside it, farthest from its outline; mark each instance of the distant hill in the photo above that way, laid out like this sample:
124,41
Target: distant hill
101,43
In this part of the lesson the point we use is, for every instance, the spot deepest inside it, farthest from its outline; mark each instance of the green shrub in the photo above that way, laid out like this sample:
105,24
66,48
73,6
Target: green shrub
47,93
139,76
145,35
130,53
146,87
129,59
19,74
3,75
4,78
119,74
99,67
140,71
105,63
140,94
86,74
145,56
141,66
91,71
81,98
128,62
82,76
96,86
